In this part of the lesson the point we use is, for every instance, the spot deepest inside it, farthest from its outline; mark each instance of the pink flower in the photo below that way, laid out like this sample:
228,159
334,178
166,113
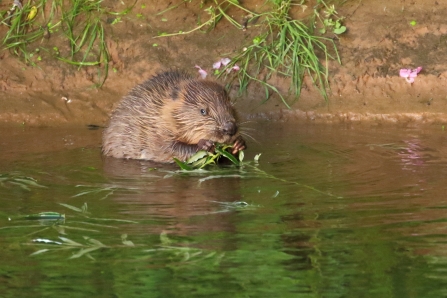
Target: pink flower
202,72
409,74
224,62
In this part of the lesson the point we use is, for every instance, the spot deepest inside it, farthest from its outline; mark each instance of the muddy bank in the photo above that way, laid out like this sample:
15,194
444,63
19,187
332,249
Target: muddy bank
366,87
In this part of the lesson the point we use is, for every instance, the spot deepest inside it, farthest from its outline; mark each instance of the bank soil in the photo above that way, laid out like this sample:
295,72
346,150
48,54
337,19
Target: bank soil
366,87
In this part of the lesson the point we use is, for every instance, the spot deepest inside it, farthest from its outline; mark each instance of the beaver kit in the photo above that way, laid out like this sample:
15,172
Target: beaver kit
172,115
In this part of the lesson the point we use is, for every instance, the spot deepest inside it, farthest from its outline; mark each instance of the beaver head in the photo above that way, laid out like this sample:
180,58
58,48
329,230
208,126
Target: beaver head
205,113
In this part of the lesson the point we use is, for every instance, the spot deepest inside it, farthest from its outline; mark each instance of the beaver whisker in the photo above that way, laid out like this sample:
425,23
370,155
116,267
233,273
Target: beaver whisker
247,128
245,122
249,136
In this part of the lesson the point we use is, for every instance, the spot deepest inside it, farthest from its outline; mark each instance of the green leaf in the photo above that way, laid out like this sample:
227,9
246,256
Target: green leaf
115,21
200,154
164,239
84,251
125,241
29,181
183,165
328,22
39,252
201,163
228,155
337,24
94,241
241,156
340,30
70,242
257,40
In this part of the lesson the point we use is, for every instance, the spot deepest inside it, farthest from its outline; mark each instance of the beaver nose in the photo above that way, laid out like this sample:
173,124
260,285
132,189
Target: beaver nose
229,128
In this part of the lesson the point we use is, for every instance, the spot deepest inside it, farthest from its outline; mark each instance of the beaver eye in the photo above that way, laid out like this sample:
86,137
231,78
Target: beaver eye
203,112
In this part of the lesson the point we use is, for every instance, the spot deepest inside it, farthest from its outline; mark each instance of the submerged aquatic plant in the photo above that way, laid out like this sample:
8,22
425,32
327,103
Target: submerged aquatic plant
167,250
24,182
198,162
66,243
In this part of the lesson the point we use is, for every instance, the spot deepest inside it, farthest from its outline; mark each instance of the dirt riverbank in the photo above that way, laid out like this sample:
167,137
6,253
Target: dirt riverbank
380,40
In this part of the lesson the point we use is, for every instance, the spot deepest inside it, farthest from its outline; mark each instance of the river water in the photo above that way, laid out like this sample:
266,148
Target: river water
329,211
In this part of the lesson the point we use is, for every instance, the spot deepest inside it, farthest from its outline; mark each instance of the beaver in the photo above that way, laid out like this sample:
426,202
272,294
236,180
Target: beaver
172,115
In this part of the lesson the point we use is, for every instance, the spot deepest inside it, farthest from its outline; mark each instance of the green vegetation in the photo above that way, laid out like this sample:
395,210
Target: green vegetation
203,158
23,182
286,47
331,21
80,21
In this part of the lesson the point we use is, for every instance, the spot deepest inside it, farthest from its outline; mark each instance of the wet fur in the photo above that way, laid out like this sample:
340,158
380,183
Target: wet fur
161,119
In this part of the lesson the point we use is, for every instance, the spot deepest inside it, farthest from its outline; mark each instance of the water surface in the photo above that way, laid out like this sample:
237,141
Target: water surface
329,211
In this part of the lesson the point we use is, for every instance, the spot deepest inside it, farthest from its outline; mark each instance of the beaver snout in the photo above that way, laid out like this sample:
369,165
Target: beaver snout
229,128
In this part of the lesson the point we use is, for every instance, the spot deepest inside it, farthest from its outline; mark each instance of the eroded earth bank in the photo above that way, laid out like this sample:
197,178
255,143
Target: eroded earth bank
382,37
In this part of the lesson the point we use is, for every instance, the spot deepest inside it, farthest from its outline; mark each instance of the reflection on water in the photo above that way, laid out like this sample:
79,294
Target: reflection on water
330,211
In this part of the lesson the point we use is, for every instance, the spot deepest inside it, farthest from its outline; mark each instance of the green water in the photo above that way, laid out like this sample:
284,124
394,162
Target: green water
331,211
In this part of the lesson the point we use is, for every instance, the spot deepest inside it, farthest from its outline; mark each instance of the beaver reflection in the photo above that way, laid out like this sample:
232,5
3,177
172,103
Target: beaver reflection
178,202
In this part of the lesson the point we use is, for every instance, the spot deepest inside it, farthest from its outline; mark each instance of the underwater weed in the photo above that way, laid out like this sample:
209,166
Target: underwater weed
198,164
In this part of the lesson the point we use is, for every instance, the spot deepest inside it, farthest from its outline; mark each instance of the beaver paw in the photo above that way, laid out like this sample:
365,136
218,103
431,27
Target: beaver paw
239,145
206,145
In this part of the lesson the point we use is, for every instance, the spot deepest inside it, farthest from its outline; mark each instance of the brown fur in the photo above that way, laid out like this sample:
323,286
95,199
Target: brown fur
162,118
